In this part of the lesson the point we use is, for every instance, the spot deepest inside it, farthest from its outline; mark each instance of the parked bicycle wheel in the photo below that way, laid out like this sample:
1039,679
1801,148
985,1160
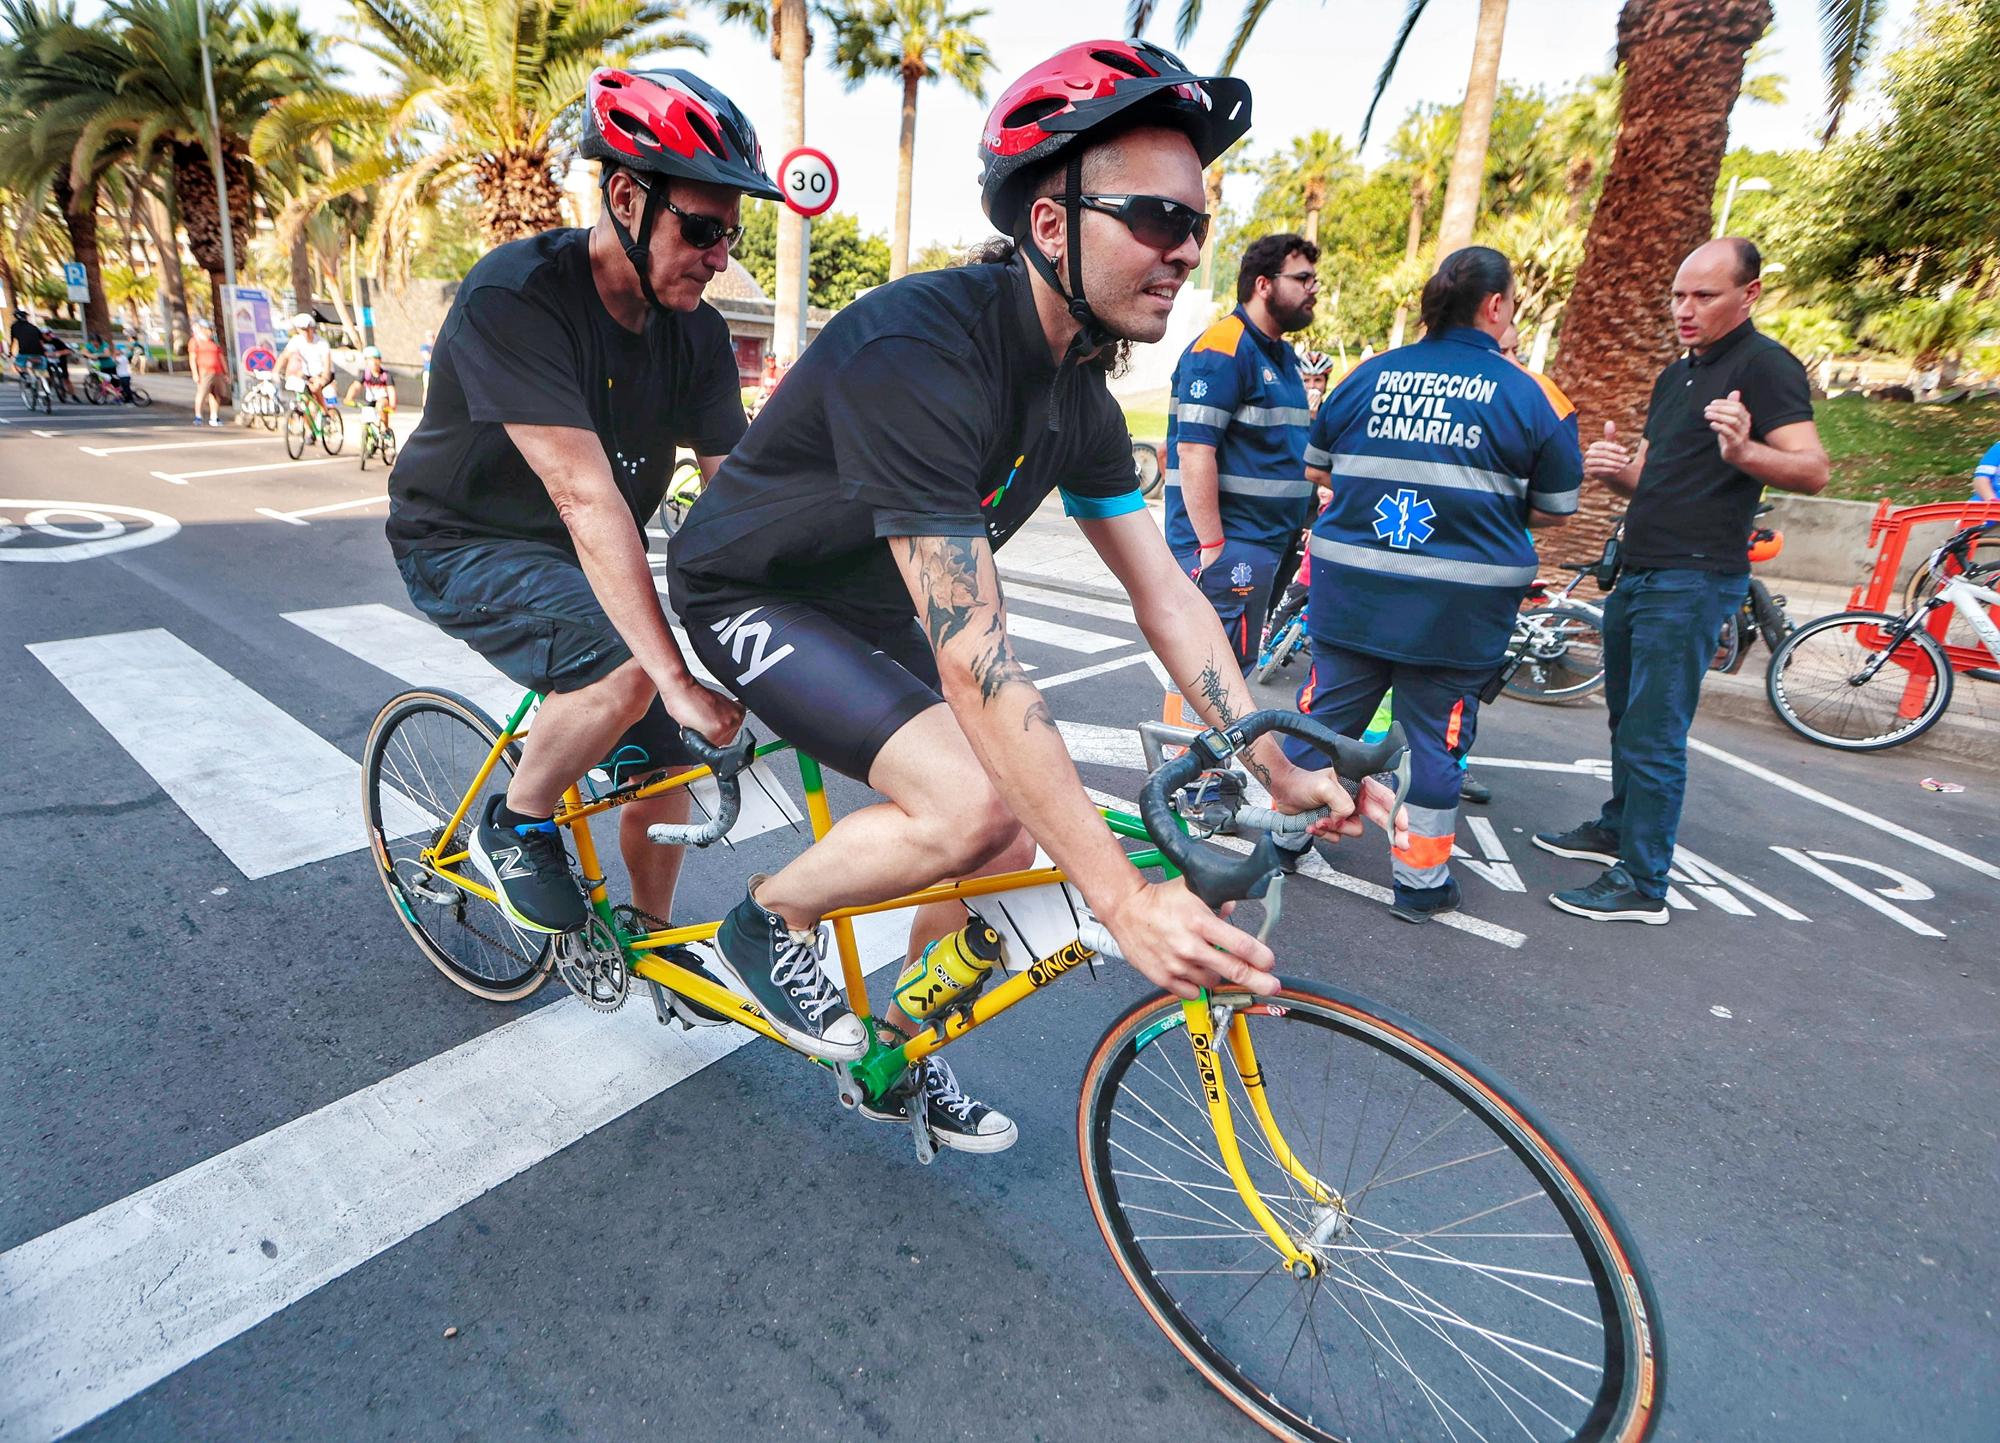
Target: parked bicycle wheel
332,430
1471,1281
1564,660
1772,622
1926,579
423,748
298,431
267,412
1861,681
1146,467
1284,648
683,490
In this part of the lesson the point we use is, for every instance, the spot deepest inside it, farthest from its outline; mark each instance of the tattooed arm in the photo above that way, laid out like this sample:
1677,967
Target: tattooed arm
1169,935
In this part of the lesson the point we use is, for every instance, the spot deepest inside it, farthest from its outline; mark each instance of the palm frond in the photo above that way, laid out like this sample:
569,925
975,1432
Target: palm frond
1847,31
1253,11
1411,14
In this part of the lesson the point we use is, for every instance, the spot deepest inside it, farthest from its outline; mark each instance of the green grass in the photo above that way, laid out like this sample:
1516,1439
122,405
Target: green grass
1902,452
1146,415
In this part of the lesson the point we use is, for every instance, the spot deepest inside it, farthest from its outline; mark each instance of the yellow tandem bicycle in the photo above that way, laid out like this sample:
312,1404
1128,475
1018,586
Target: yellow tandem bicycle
1349,1227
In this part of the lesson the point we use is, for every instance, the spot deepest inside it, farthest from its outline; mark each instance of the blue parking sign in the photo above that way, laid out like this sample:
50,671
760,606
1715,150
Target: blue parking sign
76,281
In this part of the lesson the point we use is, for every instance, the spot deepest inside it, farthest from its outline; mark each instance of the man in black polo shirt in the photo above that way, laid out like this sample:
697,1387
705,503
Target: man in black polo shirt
1727,419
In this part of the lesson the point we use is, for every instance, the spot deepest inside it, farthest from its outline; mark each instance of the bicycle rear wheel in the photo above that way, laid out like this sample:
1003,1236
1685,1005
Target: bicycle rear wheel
1565,656
1472,1282
141,397
424,748
1839,682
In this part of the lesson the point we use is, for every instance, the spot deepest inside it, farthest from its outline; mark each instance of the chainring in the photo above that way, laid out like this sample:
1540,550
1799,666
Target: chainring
592,965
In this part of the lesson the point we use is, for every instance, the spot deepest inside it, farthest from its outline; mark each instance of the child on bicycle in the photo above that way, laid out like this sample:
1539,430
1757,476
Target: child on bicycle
378,387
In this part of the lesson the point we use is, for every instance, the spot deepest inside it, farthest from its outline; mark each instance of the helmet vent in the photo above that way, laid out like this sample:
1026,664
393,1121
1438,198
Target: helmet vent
1033,111
710,141
1121,62
637,129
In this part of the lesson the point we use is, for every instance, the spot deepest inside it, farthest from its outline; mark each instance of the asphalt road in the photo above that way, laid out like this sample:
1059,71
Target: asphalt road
222,1214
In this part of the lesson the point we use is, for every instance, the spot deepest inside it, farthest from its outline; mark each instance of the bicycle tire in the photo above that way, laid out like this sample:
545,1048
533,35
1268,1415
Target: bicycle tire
1813,682
332,430
1565,667
1146,468
1615,1312
1772,622
48,395
141,397
367,444
296,431
1282,650
268,414
434,776
93,389
386,447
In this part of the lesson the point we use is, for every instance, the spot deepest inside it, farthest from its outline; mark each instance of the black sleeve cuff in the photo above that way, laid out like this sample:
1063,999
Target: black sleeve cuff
926,523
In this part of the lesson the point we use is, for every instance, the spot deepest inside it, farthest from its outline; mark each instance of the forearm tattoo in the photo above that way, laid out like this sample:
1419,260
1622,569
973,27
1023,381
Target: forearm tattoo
948,573
1216,694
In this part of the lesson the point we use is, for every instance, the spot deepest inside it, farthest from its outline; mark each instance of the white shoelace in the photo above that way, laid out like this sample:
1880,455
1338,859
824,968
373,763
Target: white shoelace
943,1089
799,973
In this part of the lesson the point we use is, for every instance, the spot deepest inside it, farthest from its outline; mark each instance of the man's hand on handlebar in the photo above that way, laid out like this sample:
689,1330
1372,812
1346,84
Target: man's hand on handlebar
704,709
1177,943
1294,789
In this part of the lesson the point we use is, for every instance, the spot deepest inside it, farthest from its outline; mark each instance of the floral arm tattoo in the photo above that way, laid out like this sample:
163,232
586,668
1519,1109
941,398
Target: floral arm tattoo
948,572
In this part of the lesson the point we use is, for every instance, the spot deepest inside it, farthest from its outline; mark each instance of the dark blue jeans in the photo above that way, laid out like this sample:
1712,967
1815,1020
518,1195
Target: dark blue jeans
1660,631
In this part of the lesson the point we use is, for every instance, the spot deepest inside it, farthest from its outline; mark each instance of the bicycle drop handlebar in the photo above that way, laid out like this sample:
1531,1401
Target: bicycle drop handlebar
727,764
1216,879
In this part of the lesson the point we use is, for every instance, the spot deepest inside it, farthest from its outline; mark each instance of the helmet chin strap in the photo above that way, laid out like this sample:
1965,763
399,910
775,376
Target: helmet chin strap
636,249
1092,334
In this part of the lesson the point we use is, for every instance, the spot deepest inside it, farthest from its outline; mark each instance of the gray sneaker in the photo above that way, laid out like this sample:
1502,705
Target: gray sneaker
779,970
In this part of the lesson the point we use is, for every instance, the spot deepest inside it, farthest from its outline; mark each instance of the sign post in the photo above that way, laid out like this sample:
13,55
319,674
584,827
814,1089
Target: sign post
810,183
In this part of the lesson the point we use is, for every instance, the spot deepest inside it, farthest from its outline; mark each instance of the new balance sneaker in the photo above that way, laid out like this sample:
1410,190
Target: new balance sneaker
958,1122
527,866
1587,843
779,969
1612,898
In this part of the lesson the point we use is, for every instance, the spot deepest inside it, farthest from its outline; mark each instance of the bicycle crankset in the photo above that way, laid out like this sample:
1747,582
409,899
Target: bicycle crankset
592,965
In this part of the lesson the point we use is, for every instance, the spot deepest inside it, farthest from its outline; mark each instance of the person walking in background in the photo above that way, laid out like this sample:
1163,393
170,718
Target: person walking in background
1729,417
1237,496
204,356
1441,455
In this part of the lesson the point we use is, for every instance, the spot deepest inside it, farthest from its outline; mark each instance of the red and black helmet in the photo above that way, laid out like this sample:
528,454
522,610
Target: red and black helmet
1094,84
671,122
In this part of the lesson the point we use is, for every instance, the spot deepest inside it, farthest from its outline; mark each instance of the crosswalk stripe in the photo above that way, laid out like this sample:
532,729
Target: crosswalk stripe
181,478
98,1310
1069,638
1082,605
413,651
268,791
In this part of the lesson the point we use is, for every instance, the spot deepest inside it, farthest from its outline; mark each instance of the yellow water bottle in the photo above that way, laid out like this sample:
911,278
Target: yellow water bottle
948,968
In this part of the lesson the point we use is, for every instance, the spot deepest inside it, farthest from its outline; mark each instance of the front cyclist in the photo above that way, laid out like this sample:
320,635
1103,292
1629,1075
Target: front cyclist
917,433
571,366
306,364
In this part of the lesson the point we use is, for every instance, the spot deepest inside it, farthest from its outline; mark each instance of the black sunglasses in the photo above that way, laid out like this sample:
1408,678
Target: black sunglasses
699,231
1158,222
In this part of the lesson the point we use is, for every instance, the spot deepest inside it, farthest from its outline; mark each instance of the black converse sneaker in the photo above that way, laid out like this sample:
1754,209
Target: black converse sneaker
779,970
958,1122
528,867
1586,843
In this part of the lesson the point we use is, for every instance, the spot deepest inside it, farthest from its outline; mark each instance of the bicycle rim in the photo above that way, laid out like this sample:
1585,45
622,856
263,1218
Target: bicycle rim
1825,683
332,431
1474,1286
424,747
1565,661
295,435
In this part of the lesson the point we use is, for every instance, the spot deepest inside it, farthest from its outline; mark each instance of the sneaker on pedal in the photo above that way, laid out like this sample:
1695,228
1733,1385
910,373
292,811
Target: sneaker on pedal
528,867
1587,843
958,1122
1612,898
779,969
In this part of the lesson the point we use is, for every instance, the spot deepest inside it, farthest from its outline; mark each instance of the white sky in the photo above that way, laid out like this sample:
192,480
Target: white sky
1311,64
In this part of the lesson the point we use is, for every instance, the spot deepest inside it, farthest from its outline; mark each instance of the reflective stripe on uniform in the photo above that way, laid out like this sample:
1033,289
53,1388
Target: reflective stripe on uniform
1451,476
1283,487
1556,503
1317,459
1273,416
1408,563
1192,415
1426,862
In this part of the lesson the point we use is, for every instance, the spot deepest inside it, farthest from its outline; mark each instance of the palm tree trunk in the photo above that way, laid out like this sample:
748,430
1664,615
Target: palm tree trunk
302,272
1475,129
791,21
906,162
1413,241
518,197
194,186
1683,64
79,215
163,229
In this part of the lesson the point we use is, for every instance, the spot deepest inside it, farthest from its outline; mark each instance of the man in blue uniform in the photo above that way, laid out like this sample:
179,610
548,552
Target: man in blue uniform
1237,497
1441,455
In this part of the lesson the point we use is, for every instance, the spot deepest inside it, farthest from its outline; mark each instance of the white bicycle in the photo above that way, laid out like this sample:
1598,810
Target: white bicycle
1864,681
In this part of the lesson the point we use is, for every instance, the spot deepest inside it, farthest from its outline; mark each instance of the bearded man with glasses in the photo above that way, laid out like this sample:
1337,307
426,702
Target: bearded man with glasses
570,368
1238,500
838,573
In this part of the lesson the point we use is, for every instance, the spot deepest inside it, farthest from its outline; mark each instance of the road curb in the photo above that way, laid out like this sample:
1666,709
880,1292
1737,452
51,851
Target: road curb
1070,584
1956,735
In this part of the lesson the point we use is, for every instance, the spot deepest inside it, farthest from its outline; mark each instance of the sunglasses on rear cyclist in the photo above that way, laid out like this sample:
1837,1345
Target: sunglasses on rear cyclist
1157,222
699,231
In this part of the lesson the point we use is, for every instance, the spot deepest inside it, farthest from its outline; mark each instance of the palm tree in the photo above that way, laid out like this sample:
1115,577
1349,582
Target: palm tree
1319,162
1423,148
478,90
915,41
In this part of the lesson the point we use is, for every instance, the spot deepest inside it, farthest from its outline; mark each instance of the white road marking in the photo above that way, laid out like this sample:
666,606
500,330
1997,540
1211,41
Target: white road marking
108,529
102,1308
1583,766
181,478
1083,673
1867,818
1700,869
1497,869
268,791
1082,605
1905,887
1069,638
167,446
296,517
1103,746
413,651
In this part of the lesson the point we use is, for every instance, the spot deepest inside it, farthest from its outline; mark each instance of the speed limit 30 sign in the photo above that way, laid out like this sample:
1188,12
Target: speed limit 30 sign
808,180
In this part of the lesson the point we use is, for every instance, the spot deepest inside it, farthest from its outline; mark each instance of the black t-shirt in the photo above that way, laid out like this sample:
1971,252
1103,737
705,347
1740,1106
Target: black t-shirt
1692,509
921,410
27,338
528,341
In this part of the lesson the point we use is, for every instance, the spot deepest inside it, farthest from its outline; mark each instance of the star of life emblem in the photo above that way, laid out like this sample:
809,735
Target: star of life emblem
1241,575
1197,389
1404,519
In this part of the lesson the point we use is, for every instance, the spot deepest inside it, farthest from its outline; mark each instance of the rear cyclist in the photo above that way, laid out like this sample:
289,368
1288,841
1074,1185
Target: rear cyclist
838,571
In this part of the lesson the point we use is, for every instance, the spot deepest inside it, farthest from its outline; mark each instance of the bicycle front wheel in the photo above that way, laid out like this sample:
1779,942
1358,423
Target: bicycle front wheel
296,432
332,430
1565,656
1838,681
1471,1281
423,750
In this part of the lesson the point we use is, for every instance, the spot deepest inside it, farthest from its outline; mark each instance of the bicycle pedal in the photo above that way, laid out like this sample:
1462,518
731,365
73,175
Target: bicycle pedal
920,1132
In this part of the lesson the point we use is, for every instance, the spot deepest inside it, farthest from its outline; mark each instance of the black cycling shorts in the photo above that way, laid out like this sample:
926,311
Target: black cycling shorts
836,689
527,607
